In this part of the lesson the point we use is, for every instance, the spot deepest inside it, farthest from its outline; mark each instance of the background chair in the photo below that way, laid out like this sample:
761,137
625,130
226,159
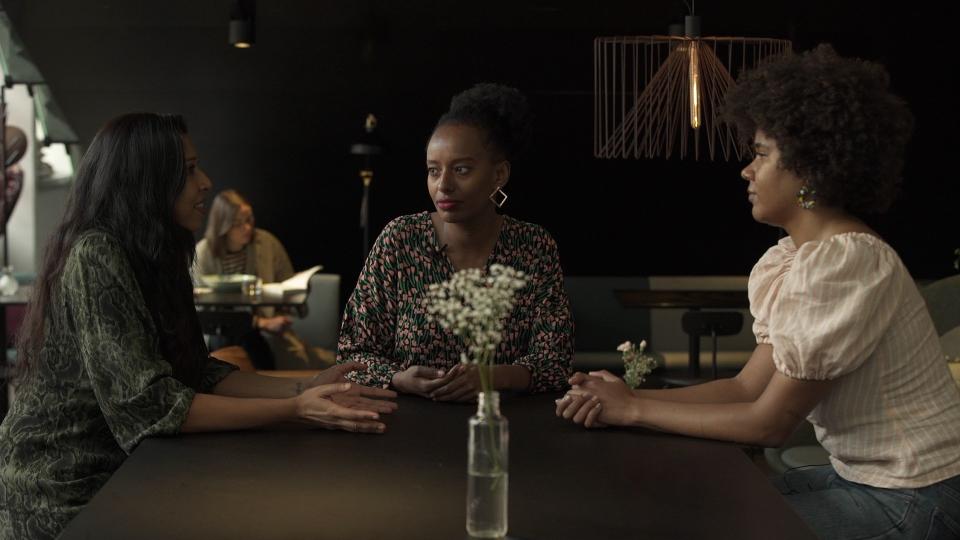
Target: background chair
224,327
800,450
943,302
601,324
320,327
698,324
222,330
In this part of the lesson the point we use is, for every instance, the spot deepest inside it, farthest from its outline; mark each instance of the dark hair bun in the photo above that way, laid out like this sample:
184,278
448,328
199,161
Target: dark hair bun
502,111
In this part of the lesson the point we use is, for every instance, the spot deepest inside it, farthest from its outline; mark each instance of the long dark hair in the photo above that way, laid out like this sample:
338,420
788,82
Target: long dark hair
126,186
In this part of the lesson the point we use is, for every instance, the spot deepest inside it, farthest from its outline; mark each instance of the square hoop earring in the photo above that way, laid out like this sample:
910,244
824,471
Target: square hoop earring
499,198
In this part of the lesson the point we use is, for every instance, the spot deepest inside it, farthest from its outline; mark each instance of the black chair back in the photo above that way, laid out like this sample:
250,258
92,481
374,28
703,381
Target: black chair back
709,323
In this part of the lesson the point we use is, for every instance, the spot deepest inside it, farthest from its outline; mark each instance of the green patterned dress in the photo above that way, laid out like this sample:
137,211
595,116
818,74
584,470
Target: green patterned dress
385,323
99,387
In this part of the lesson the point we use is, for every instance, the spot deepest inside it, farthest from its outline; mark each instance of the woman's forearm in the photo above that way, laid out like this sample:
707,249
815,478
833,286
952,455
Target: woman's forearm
747,386
220,413
241,384
746,423
718,391
507,377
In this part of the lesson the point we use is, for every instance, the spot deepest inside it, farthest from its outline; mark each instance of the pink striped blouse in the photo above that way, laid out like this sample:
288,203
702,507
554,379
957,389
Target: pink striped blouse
846,309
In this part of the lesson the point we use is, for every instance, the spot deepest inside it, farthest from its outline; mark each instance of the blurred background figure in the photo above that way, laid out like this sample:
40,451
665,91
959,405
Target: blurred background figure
232,244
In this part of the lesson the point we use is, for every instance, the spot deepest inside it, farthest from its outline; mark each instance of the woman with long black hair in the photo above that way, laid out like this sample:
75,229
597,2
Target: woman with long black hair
111,351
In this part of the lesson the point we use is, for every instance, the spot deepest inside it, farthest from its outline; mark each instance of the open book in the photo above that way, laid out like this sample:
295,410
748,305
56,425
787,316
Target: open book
294,284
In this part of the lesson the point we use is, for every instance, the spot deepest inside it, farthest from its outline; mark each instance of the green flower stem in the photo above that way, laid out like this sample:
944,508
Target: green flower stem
485,368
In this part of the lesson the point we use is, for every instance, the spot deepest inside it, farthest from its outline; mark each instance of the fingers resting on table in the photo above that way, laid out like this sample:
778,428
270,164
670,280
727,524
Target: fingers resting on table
343,406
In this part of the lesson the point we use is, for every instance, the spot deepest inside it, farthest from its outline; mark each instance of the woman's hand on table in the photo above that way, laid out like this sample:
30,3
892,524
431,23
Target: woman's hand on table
336,373
366,398
358,396
597,399
419,380
462,383
322,406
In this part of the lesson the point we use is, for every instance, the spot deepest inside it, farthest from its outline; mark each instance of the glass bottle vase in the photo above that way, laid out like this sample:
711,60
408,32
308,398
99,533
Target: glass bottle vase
487,466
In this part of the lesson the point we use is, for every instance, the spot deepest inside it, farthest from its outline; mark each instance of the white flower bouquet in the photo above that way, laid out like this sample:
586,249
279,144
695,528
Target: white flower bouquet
472,305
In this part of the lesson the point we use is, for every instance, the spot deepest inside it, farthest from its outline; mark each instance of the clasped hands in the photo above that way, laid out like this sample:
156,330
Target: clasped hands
596,399
459,383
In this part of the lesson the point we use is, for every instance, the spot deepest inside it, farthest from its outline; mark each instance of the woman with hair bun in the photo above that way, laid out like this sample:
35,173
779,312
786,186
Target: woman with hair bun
385,324
233,244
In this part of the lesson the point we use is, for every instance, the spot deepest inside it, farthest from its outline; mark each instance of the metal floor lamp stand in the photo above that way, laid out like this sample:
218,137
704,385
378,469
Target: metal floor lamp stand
368,146
366,176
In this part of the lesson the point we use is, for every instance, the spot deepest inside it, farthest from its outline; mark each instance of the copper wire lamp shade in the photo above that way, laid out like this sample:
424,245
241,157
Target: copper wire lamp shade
655,96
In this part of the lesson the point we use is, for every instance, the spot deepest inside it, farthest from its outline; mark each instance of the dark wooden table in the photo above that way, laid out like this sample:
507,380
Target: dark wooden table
565,482
20,298
640,298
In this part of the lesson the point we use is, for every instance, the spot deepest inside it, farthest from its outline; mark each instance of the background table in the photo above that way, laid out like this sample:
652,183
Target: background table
229,315
645,298
693,300
565,482
239,299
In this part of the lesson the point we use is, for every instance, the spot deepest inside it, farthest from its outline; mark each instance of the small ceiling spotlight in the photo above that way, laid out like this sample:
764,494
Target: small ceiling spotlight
242,29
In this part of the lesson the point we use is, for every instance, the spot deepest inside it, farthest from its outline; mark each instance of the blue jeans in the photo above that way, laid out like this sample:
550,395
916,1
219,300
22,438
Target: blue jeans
837,508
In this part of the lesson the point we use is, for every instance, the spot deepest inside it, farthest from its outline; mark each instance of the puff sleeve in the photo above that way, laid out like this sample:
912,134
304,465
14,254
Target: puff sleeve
833,306
764,285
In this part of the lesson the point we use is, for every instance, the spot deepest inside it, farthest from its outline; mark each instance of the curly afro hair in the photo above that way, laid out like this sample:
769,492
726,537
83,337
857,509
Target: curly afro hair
835,121
501,111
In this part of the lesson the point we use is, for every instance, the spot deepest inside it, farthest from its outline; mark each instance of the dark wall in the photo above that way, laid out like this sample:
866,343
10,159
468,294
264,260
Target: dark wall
276,121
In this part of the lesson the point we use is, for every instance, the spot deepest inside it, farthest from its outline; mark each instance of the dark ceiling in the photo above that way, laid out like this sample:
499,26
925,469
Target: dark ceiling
276,120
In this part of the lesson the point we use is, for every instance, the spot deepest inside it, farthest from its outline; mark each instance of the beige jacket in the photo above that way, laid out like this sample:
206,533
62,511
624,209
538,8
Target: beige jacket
266,259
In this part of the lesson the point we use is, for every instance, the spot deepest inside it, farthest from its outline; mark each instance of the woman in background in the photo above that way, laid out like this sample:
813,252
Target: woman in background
232,244
843,336
111,351
385,324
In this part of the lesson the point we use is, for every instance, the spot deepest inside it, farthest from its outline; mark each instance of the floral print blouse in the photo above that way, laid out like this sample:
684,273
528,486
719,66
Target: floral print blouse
385,324
99,387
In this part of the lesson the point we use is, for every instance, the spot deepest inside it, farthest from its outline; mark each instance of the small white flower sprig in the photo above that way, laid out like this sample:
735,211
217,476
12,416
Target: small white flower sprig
472,304
637,364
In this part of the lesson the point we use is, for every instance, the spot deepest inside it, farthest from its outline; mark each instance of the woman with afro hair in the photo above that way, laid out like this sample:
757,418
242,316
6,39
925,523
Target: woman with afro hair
385,323
844,338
